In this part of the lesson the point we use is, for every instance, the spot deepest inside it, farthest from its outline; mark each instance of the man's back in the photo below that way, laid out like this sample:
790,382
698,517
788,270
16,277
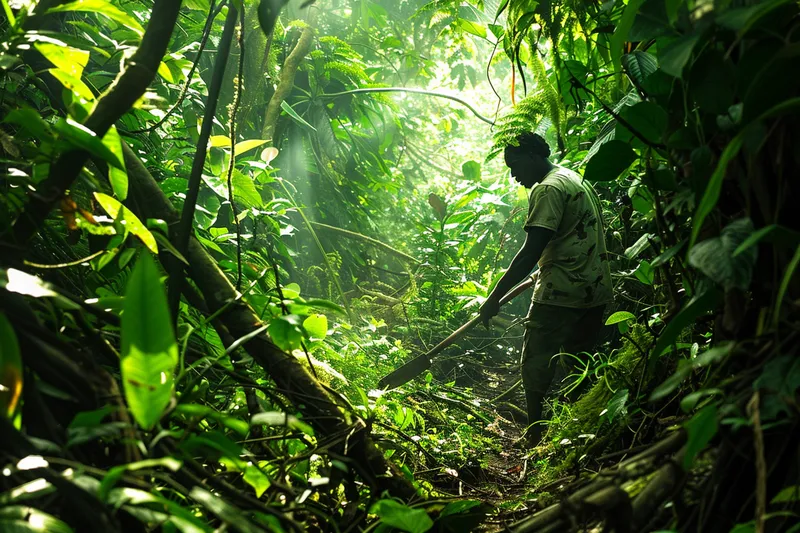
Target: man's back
573,269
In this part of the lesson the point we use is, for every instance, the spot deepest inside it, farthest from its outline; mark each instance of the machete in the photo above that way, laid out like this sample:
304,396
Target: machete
421,363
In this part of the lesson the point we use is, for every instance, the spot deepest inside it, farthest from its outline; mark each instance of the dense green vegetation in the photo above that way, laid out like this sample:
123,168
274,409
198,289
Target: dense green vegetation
222,222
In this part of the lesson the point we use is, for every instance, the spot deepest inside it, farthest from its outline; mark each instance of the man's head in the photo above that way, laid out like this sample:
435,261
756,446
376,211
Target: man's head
528,161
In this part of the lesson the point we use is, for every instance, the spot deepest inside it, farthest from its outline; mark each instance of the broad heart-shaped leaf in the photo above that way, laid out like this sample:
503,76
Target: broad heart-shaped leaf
104,8
616,405
651,21
132,223
117,176
149,351
402,517
610,161
639,65
699,431
715,257
10,369
79,136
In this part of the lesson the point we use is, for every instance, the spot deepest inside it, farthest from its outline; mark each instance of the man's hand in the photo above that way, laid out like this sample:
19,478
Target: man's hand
489,309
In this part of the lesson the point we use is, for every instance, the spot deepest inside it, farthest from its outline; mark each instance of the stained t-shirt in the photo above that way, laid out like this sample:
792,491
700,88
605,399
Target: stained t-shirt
573,268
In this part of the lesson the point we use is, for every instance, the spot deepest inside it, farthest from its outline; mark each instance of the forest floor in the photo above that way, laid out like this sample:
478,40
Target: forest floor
506,475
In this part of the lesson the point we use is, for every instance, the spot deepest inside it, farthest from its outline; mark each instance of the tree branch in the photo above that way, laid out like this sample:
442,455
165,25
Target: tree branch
117,100
409,90
184,228
286,80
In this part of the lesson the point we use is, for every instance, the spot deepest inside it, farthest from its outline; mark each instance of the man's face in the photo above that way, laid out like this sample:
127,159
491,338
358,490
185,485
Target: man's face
526,169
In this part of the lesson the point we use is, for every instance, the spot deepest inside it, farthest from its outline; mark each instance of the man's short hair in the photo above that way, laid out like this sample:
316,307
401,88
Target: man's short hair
530,143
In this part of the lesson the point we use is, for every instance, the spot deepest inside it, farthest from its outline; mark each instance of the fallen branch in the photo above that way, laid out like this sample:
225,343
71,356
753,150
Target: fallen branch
602,498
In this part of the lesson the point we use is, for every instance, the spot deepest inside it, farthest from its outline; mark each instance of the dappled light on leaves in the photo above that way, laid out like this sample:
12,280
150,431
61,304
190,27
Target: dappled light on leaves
417,266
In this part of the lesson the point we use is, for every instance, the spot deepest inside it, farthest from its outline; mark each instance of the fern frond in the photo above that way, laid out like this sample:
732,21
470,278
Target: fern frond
339,48
350,71
550,95
526,117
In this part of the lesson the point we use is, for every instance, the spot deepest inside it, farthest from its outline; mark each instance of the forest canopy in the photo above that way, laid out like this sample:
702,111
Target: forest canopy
237,237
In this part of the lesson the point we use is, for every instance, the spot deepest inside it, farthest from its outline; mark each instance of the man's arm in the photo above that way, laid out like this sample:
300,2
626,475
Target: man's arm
536,239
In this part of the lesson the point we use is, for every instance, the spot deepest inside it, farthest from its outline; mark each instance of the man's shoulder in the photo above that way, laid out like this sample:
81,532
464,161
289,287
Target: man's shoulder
562,179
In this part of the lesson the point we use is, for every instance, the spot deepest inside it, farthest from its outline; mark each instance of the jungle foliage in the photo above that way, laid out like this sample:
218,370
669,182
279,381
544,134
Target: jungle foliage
223,221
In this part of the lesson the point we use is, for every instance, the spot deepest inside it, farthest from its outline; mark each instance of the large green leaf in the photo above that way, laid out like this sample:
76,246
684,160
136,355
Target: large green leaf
610,161
245,146
117,211
118,176
103,8
114,475
639,65
699,431
244,190
715,257
297,118
81,137
149,351
621,32
646,119
224,510
25,519
10,369
402,517
712,81
471,170
620,316
70,60
316,326
616,405
651,21
674,55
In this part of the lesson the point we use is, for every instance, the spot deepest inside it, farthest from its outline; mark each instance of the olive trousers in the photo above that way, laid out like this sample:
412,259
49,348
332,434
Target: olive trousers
552,330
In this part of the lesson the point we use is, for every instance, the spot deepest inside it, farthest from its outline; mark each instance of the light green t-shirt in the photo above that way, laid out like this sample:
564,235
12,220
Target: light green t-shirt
573,269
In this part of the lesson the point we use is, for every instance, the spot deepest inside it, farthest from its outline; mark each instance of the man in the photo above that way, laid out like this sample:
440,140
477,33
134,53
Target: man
564,235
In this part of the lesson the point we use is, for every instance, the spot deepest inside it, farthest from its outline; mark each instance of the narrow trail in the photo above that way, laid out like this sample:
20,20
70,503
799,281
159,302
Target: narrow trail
485,370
